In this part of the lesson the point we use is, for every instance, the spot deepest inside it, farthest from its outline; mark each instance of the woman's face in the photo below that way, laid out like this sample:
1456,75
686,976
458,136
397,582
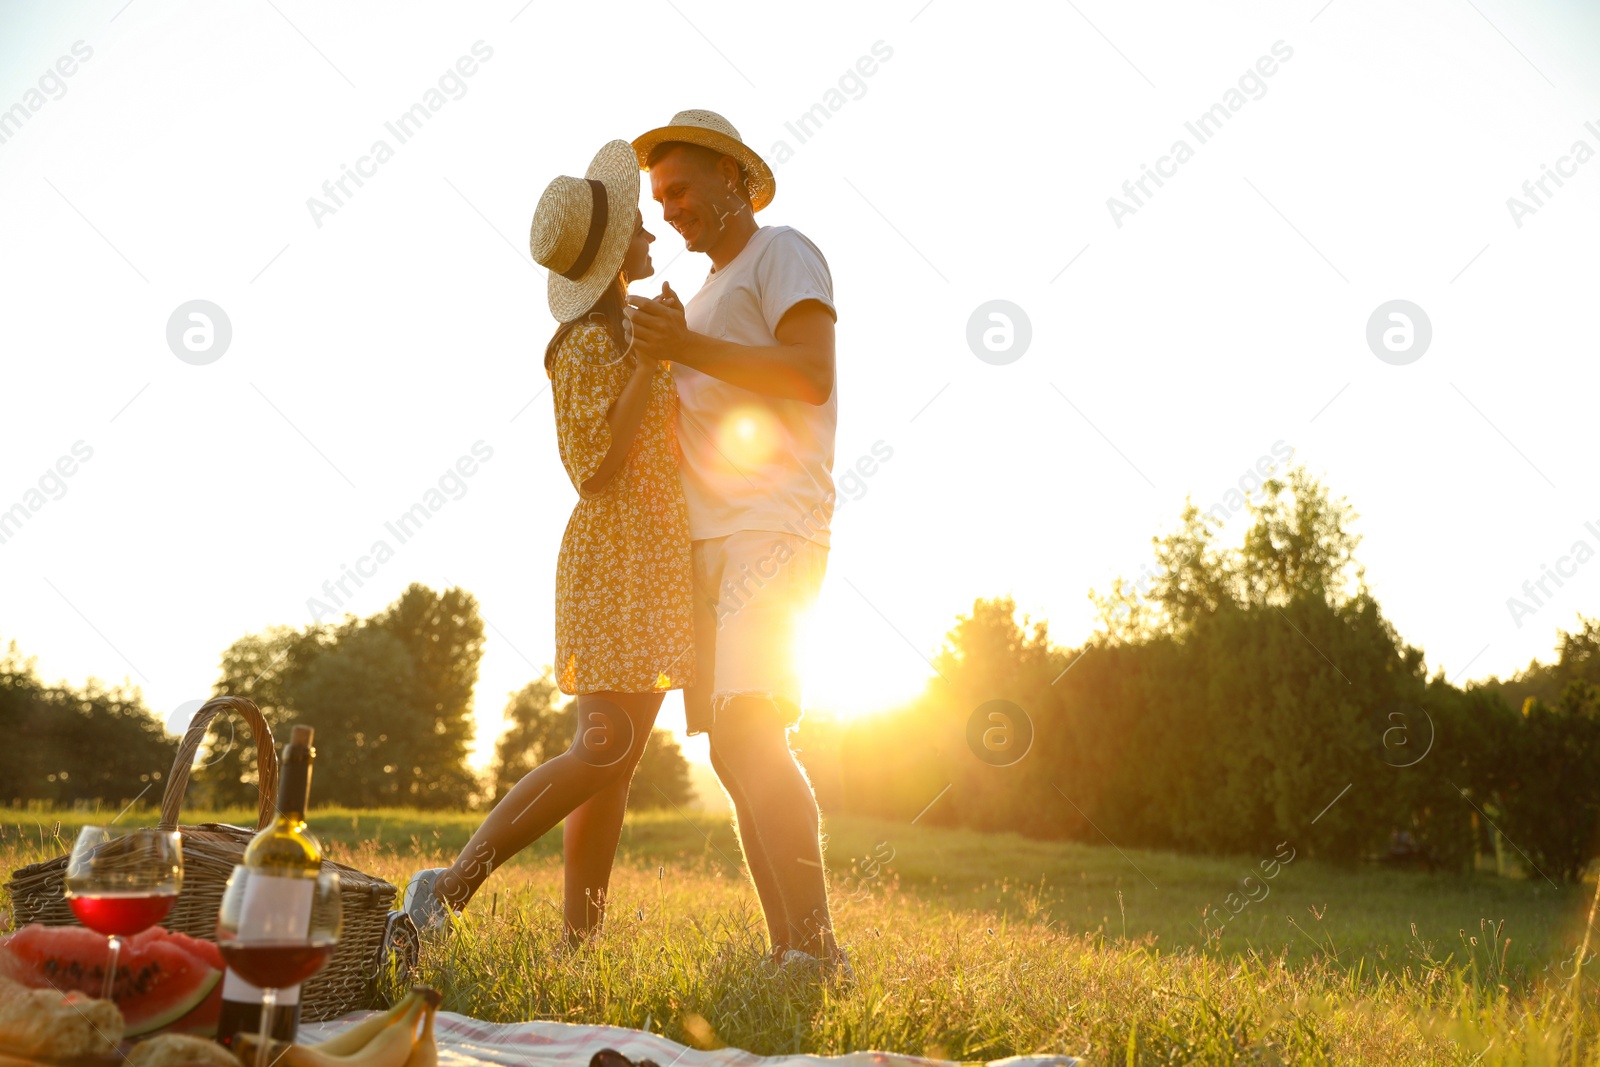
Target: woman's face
636,264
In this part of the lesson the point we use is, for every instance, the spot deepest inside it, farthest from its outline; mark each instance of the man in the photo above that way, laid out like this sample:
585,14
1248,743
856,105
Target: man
753,360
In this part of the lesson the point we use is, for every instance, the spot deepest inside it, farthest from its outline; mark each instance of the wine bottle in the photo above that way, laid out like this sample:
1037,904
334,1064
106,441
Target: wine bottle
286,859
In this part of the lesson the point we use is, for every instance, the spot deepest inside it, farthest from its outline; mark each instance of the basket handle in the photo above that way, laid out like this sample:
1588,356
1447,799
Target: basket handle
266,759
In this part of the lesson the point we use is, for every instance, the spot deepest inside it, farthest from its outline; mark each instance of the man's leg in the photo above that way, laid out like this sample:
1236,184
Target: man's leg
710,559
781,813
755,857
772,580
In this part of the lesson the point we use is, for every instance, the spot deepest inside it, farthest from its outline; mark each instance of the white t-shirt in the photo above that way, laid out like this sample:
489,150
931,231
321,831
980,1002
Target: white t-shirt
754,462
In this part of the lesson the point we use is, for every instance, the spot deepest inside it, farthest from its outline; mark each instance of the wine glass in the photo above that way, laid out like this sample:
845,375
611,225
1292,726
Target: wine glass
120,882
277,928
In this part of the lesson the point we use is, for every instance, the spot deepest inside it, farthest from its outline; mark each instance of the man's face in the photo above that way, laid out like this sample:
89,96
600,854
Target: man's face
693,195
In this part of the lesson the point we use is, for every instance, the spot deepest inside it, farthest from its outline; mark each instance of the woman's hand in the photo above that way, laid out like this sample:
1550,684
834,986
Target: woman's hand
635,349
645,359
648,348
659,324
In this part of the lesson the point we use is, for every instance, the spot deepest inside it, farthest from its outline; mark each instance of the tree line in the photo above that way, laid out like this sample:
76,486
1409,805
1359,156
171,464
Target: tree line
389,696
1242,697
1237,698
65,744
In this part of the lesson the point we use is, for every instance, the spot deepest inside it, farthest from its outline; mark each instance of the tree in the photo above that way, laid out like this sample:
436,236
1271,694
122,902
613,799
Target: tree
1192,575
374,737
22,698
68,745
1553,801
390,698
1300,546
443,633
1238,697
260,667
1577,659
1450,753
1275,664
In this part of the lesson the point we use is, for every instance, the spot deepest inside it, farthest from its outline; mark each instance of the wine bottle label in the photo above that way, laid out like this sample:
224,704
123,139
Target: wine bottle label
274,909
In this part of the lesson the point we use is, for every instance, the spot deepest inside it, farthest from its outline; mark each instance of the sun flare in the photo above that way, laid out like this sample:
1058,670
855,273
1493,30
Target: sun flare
748,436
851,664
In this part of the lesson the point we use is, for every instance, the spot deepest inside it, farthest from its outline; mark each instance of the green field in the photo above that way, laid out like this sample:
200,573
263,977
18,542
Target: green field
972,946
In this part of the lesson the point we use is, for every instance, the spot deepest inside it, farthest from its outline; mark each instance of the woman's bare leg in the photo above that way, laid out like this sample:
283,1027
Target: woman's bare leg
589,847
606,739
589,841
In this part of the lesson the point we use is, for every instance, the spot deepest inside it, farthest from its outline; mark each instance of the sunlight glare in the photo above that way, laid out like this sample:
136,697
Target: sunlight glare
748,436
848,669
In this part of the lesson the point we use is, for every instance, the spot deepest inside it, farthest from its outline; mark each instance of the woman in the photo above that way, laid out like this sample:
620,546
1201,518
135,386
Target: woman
624,625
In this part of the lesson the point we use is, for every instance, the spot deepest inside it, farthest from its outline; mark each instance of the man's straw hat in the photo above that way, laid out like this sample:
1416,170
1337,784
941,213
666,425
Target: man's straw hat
582,229
711,130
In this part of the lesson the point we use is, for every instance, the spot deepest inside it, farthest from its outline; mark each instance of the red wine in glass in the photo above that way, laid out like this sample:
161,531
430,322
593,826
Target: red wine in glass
276,928
121,881
121,914
276,964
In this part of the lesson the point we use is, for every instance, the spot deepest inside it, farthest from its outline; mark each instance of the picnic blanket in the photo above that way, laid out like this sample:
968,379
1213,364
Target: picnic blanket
468,1042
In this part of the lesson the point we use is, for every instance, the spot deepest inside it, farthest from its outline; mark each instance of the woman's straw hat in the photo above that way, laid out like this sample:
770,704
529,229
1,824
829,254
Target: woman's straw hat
711,130
582,229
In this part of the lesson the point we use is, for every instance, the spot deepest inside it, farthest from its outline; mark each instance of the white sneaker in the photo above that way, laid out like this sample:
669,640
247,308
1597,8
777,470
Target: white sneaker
796,963
425,909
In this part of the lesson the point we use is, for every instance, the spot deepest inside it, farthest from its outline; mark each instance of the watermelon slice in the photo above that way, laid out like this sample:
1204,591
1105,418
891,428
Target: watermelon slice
203,1018
159,981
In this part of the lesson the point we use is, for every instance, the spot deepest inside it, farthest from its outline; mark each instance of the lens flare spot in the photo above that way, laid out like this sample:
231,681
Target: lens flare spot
748,436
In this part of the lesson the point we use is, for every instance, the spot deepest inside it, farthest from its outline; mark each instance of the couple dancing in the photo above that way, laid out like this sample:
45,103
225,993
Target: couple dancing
700,441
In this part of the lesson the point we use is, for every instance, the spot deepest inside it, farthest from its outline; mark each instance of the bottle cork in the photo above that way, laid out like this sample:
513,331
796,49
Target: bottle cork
300,735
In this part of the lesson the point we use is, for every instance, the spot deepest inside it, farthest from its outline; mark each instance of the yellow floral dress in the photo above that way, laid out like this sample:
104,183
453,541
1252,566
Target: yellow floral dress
624,613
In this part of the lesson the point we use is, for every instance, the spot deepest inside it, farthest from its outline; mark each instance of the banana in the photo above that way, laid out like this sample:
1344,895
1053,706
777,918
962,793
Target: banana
425,1053
356,1037
390,1048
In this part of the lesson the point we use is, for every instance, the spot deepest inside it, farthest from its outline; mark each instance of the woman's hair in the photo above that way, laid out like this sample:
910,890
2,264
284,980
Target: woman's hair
607,310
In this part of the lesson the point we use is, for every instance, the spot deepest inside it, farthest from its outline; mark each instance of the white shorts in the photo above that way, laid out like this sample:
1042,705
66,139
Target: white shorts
751,590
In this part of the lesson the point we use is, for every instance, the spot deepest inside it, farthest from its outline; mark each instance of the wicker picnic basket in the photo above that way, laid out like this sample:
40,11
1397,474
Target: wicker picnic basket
210,852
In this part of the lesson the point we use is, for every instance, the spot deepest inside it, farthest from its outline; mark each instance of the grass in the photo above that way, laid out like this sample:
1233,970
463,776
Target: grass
974,947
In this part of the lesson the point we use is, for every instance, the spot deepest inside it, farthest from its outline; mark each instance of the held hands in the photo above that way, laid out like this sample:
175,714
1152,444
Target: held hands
659,329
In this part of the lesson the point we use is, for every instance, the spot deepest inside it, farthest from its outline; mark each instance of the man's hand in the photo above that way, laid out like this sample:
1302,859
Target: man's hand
798,367
659,326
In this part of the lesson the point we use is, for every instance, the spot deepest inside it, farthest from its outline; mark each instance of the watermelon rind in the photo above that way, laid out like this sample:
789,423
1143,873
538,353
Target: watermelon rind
180,1005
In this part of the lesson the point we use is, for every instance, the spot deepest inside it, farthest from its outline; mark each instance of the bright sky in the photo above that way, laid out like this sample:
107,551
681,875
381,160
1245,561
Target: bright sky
1225,314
